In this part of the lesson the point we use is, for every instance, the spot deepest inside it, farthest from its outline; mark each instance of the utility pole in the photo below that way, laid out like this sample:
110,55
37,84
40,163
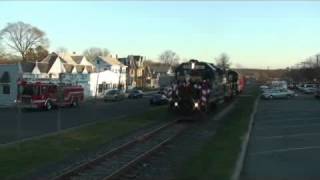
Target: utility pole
19,115
120,74
19,129
97,82
60,100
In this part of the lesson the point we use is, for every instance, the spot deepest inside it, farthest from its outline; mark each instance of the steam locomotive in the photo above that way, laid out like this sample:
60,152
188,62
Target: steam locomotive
199,86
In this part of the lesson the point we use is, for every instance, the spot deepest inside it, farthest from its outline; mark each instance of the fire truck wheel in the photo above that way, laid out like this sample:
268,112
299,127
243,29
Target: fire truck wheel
49,105
75,103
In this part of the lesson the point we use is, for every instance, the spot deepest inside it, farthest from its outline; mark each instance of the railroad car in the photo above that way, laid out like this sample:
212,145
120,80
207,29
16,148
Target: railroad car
241,83
197,87
231,85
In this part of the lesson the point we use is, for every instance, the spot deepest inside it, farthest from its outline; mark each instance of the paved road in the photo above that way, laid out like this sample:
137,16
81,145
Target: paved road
285,141
36,123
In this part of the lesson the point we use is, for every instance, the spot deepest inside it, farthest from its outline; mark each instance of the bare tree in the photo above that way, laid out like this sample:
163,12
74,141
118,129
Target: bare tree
61,50
2,54
93,52
169,57
36,54
21,37
223,61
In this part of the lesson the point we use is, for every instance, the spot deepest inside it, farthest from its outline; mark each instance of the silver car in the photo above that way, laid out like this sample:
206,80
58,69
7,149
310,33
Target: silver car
278,93
309,88
114,95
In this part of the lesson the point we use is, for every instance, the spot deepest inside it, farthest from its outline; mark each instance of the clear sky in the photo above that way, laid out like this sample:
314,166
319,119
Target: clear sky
254,34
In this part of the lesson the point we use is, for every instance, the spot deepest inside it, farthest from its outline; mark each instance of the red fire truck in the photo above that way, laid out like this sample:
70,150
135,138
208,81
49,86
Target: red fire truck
42,95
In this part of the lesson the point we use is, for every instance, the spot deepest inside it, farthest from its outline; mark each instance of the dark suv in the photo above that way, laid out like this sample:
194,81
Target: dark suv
135,94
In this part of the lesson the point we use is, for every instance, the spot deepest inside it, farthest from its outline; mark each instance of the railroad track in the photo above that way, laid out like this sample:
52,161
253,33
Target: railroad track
113,164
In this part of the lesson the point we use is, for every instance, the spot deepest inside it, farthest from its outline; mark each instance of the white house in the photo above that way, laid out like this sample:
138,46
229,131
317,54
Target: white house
110,74
103,63
102,81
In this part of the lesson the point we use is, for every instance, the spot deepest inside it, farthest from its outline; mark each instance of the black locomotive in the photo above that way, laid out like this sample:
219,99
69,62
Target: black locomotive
199,86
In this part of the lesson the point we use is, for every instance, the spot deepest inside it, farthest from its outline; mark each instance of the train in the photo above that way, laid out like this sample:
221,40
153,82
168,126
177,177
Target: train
200,86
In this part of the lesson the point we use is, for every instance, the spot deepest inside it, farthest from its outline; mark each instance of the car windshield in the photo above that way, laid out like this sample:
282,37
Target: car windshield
112,92
310,85
30,90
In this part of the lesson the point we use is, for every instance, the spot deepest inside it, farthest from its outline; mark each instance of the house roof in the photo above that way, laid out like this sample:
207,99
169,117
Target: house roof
27,66
80,68
67,58
89,69
68,67
110,60
124,61
77,59
50,59
43,67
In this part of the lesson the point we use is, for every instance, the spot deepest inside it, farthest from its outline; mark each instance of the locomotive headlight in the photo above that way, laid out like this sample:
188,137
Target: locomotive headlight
196,105
175,104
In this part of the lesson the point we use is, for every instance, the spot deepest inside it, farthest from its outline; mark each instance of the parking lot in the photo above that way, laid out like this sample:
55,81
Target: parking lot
35,123
284,143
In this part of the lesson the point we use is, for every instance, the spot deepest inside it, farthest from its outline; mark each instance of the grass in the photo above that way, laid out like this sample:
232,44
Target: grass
17,161
217,158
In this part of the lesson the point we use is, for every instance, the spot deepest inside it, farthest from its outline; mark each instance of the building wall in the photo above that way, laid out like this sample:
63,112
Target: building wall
8,99
103,81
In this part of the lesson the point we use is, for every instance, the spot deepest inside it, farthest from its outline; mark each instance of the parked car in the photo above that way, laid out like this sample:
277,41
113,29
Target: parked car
135,94
309,88
317,93
158,99
114,95
278,93
162,91
263,87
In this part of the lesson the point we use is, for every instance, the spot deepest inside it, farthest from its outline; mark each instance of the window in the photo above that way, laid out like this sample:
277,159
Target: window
52,89
6,89
44,89
100,87
109,86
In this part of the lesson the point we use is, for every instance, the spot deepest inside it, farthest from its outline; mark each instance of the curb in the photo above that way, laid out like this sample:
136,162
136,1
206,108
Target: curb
240,162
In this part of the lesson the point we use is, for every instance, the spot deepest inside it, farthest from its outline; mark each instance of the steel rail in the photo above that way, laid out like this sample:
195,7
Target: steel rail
69,173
